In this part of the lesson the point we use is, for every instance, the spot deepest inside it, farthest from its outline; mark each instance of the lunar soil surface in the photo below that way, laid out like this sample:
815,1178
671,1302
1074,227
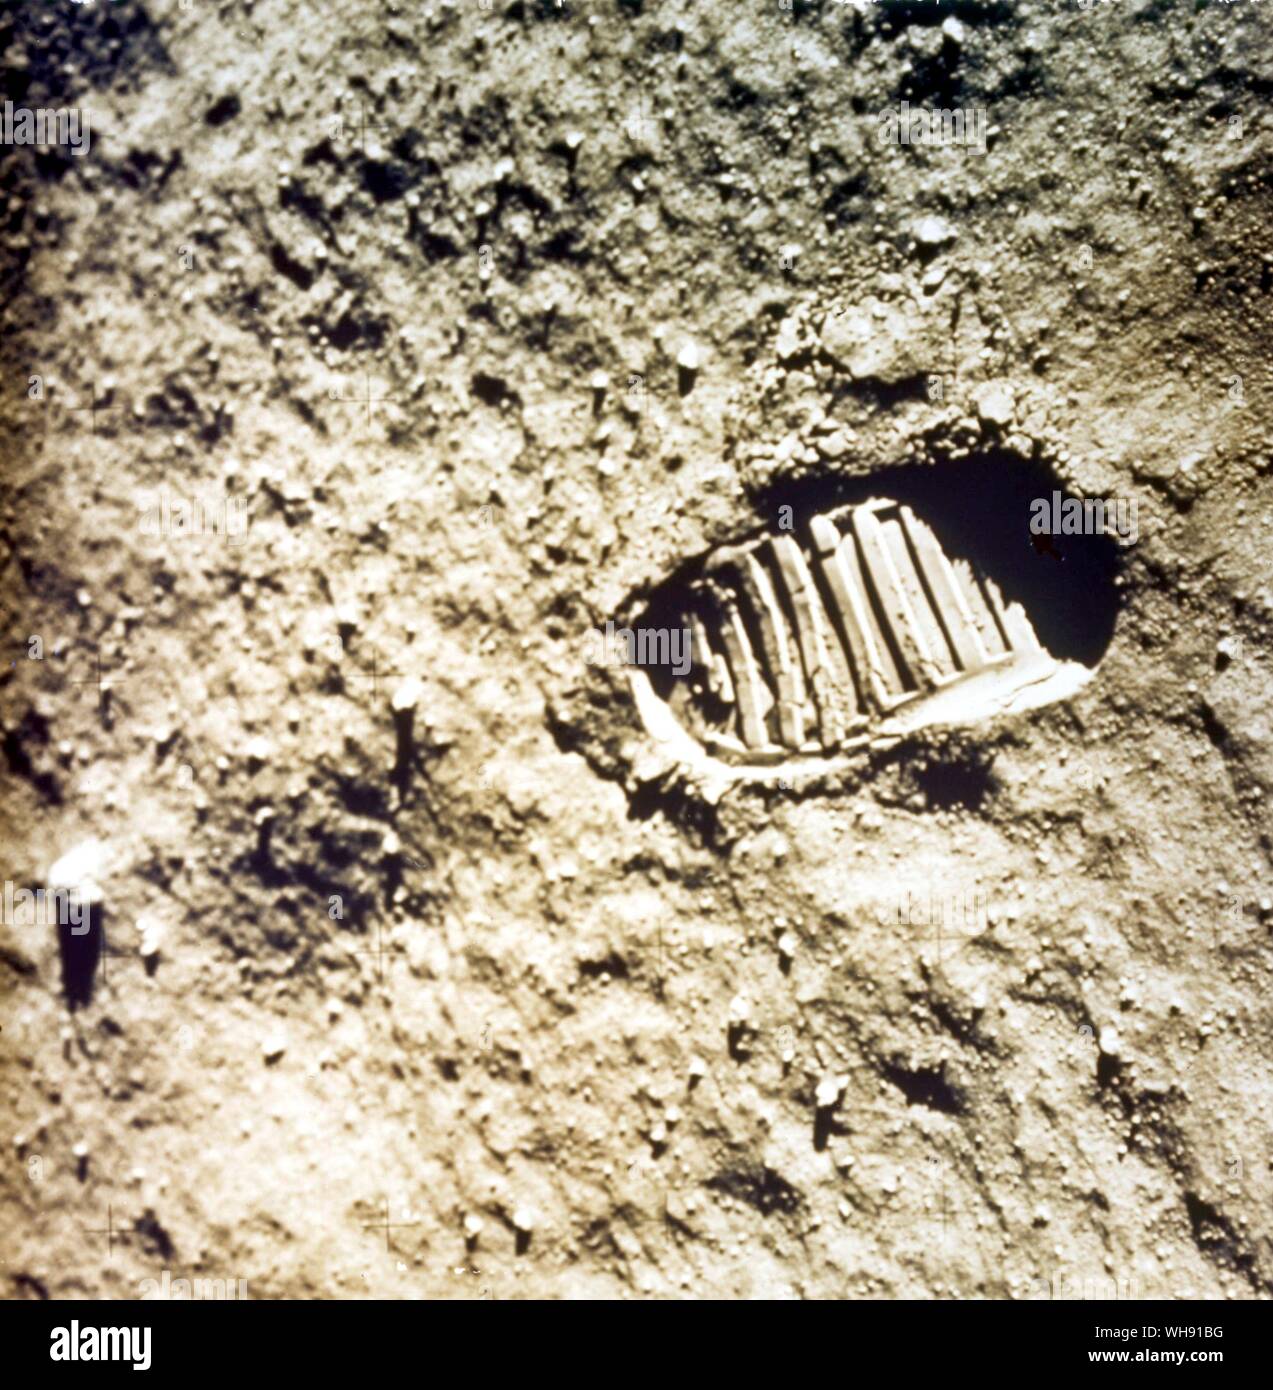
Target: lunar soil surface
369,370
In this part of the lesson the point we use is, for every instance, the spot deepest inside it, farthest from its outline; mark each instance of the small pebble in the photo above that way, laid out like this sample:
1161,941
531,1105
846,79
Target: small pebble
409,694
259,750
994,403
829,1091
80,870
151,931
934,231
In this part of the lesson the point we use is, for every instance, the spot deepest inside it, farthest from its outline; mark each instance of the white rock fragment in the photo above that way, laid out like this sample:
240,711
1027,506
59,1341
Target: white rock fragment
835,445
688,358
953,30
787,946
788,344
829,1091
151,931
994,403
524,1220
259,750
739,1010
274,1046
1109,1042
697,1068
932,232
80,871
472,1226
408,694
